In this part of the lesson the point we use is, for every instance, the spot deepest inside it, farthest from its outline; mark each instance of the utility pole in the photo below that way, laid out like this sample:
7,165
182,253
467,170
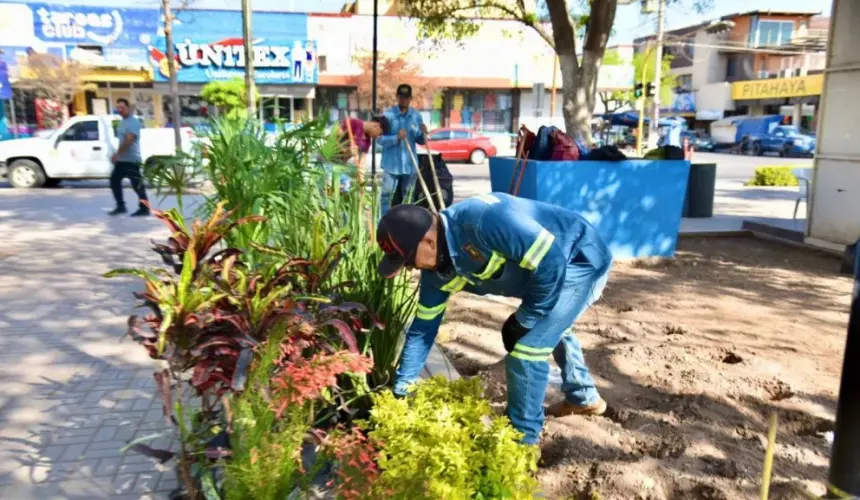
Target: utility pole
844,477
653,130
249,59
373,97
175,111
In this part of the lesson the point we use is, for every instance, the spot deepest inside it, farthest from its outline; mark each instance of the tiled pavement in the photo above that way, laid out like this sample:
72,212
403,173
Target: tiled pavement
71,393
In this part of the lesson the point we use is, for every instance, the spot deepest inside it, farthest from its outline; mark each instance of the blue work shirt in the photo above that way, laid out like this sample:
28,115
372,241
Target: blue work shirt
672,137
395,157
129,125
500,245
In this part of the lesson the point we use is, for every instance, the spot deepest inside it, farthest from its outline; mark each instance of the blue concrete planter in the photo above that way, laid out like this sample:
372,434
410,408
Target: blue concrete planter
635,204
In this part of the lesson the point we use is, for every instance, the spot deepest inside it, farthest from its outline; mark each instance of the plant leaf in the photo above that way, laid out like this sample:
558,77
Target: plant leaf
345,333
209,490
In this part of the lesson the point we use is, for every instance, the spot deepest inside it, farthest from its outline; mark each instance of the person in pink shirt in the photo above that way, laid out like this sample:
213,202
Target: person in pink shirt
358,136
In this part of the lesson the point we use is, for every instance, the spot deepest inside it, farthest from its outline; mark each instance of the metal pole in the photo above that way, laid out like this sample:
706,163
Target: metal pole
249,59
844,479
175,110
373,96
658,74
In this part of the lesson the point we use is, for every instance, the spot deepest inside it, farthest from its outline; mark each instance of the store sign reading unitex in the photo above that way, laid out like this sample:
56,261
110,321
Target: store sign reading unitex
225,59
778,88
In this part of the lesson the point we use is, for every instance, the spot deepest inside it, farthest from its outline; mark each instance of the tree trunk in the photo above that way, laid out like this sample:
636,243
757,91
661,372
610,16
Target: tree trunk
579,80
175,112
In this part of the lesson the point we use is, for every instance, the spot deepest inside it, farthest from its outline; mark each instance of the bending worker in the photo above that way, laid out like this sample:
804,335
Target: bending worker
551,258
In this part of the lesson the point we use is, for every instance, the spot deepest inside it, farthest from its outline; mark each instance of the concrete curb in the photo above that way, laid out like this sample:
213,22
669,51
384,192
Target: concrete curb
439,364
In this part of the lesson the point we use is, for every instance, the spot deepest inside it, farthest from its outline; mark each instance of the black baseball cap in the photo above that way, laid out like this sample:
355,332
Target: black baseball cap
404,90
399,233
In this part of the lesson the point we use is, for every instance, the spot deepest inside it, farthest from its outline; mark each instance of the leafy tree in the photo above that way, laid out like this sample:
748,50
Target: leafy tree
49,77
392,71
591,21
643,67
615,99
457,19
229,97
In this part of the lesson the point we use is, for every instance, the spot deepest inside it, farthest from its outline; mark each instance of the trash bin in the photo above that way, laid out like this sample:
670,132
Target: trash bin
699,201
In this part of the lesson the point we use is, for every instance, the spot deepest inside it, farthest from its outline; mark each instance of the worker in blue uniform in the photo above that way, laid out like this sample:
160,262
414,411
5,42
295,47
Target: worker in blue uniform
550,257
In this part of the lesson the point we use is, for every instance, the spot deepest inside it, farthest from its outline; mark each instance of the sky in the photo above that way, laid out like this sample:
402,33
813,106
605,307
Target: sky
629,22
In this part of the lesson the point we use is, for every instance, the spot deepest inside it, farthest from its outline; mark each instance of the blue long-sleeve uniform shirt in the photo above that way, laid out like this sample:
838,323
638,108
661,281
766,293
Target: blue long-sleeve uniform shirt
395,157
500,245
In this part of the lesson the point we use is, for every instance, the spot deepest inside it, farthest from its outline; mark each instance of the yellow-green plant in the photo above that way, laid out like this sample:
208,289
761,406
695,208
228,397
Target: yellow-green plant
773,176
444,441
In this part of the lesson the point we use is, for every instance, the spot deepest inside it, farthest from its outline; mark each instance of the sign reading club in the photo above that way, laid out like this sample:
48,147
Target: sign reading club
76,24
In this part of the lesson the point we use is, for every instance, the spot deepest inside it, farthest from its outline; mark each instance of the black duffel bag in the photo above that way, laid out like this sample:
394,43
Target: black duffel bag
446,183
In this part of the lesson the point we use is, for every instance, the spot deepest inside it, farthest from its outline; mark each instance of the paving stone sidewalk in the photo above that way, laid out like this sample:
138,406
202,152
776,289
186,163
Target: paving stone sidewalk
72,394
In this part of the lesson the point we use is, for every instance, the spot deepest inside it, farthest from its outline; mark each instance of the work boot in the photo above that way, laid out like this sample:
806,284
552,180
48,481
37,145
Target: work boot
141,212
563,409
117,211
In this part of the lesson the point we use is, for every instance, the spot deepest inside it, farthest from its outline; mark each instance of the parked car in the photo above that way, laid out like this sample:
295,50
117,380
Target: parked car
79,149
460,144
700,141
785,140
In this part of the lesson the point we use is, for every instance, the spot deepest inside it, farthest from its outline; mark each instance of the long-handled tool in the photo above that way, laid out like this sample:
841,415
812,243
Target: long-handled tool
354,150
519,164
435,176
421,178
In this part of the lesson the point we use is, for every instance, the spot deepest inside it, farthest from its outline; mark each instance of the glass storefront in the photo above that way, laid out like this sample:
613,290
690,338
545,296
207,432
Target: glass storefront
482,110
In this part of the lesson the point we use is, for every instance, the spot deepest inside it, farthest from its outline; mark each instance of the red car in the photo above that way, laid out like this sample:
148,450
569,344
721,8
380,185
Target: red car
460,144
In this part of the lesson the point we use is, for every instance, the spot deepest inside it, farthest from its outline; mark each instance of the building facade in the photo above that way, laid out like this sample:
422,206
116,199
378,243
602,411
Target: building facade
305,64
755,63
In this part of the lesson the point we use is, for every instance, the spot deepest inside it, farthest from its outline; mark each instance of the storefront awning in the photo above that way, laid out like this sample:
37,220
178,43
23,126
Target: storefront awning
128,75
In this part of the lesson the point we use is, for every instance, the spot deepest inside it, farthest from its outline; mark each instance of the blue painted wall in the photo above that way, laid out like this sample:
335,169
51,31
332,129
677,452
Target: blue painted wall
635,205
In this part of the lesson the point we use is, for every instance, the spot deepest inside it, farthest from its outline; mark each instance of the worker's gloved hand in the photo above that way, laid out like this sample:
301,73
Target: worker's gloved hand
512,332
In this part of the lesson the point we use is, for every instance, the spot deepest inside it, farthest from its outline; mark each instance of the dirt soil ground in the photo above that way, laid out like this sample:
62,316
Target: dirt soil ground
693,355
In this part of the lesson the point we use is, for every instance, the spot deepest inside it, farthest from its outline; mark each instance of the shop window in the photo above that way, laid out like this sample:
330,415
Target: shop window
193,110
490,111
300,109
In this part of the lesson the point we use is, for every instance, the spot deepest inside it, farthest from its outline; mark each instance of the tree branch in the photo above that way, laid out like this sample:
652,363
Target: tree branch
563,29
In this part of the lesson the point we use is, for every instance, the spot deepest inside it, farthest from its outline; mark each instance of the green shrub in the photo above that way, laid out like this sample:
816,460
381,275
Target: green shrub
444,441
773,176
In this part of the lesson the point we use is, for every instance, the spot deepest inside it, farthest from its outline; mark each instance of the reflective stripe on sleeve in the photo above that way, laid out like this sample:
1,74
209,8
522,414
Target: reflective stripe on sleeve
538,250
428,313
455,285
497,260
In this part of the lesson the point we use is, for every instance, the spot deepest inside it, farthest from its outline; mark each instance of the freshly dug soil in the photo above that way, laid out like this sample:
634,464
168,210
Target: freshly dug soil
693,355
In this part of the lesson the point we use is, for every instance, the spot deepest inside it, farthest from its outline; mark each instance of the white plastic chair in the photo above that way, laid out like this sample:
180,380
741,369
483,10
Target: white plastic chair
804,185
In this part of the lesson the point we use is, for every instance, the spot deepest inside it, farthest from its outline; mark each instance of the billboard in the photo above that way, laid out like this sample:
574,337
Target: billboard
208,47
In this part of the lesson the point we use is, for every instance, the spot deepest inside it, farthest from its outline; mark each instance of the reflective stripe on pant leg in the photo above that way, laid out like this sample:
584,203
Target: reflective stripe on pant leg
428,313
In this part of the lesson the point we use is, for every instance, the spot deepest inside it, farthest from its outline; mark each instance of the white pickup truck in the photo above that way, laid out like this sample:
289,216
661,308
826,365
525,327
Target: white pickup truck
80,149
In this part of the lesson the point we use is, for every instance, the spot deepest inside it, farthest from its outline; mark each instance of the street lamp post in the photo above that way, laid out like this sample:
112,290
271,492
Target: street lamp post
249,59
658,74
373,97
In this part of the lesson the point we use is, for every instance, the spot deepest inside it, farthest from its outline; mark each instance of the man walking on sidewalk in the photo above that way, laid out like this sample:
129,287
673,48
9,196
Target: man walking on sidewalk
551,258
407,130
127,161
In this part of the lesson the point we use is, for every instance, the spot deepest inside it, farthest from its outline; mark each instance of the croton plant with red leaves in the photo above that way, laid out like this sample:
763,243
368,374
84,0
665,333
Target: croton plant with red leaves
210,314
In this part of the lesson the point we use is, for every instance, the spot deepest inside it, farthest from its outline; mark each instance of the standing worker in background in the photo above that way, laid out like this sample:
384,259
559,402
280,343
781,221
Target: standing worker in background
127,161
407,127
551,258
